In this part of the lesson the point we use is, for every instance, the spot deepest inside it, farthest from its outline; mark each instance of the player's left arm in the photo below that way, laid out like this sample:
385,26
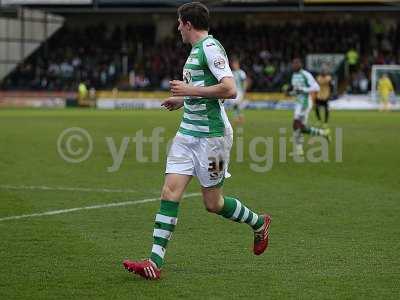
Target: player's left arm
391,89
313,86
246,82
218,63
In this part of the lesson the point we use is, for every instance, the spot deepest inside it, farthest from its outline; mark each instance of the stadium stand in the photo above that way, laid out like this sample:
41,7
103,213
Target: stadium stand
94,54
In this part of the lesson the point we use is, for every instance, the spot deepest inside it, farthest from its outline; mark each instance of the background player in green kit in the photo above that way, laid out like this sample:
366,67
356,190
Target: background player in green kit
203,142
302,85
241,87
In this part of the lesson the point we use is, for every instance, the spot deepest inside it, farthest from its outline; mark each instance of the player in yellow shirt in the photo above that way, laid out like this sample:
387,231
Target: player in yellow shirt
82,93
385,88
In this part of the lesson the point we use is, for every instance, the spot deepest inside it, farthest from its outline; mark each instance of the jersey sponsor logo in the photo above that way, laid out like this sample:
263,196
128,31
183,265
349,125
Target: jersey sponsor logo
219,62
209,45
187,77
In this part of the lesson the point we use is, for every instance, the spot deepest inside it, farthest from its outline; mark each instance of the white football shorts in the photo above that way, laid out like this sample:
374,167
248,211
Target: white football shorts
205,158
301,111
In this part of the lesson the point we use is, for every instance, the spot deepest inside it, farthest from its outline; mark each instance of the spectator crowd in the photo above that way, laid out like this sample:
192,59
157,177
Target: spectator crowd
128,57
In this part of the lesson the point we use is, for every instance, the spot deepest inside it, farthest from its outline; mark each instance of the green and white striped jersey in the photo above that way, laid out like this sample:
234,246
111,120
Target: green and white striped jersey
240,80
303,83
206,65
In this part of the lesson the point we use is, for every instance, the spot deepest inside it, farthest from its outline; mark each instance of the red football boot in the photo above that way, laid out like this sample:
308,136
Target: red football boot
145,268
261,237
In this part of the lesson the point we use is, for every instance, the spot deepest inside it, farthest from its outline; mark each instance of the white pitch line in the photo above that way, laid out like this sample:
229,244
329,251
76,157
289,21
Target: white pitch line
64,211
69,189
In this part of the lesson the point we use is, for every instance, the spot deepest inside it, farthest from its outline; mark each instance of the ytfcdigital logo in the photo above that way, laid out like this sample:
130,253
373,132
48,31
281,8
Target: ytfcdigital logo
75,145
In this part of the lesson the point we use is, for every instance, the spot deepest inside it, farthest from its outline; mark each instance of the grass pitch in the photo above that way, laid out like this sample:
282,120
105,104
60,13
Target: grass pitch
335,232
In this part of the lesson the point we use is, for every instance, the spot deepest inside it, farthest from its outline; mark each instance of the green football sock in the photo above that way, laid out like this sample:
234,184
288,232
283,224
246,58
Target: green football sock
165,223
233,209
314,131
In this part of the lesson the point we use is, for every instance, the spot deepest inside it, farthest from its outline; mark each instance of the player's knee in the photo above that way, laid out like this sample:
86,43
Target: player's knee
297,124
294,125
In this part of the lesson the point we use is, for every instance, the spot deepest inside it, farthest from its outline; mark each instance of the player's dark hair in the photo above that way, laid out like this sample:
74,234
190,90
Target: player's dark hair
196,13
297,57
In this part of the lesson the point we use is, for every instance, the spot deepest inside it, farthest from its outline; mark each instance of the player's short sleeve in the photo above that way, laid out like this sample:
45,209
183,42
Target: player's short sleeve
313,86
216,60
